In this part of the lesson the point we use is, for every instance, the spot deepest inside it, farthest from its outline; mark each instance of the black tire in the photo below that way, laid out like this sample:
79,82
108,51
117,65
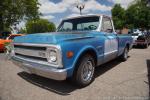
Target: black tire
78,77
124,56
146,45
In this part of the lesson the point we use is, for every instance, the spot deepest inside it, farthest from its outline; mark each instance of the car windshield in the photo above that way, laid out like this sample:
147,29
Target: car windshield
4,35
135,34
79,24
12,37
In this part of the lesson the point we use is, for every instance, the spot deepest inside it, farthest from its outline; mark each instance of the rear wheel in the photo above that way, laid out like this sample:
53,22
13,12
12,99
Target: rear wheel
146,45
124,56
84,74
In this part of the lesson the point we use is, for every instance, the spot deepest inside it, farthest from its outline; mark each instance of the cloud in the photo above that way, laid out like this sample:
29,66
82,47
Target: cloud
48,7
93,5
124,3
47,17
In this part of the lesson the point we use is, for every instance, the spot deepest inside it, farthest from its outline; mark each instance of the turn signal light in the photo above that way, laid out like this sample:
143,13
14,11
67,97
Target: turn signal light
69,54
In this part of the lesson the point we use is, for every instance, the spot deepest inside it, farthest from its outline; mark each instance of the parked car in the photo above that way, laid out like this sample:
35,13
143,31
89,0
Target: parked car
135,34
141,38
7,40
79,45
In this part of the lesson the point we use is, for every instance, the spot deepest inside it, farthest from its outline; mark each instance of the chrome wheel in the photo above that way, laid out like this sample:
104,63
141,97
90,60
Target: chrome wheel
84,74
87,71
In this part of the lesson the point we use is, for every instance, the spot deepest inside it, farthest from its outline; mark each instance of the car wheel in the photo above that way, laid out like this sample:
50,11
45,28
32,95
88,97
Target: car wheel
84,73
124,56
146,45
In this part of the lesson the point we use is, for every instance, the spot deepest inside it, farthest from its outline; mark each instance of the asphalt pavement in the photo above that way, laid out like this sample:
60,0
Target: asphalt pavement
115,80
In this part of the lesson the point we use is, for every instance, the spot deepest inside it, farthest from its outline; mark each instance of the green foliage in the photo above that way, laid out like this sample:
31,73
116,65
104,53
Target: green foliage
12,11
23,31
137,15
40,26
118,16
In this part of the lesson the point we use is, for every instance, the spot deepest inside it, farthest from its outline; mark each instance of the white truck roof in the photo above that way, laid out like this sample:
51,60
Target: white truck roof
89,15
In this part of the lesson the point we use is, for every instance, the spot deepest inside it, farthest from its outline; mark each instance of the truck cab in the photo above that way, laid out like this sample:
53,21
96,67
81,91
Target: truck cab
79,45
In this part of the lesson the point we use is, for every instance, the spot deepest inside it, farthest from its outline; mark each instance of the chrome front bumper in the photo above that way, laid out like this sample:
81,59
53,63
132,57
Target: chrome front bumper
40,69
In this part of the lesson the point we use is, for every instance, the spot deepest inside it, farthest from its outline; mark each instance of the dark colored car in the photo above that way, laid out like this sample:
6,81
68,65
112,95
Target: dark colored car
143,39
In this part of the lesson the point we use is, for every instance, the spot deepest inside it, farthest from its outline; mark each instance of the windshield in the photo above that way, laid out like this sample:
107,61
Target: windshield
135,34
4,35
12,37
79,24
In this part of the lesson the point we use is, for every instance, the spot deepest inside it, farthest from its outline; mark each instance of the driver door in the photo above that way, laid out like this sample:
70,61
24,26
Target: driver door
111,40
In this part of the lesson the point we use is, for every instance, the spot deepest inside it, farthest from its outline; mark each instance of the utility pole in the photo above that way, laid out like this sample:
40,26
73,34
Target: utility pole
80,6
148,3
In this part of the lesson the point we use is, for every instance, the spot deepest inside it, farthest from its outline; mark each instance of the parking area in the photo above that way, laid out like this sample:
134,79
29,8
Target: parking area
114,80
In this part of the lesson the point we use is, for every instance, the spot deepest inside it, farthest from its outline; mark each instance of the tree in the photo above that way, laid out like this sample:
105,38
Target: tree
12,11
23,31
39,26
118,16
138,15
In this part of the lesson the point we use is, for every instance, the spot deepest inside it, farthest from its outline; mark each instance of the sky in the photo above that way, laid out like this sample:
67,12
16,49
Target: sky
56,10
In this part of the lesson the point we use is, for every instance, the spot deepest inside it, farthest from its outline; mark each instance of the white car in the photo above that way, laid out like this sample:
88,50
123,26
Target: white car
136,33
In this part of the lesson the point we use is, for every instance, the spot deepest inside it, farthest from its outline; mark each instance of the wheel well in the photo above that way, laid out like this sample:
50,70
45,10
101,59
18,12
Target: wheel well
92,53
128,46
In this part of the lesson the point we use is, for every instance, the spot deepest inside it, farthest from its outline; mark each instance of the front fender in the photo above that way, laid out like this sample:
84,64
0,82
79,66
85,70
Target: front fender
78,55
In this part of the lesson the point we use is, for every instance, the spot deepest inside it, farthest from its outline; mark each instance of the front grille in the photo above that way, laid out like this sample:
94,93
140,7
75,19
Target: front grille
31,57
37,53
29,47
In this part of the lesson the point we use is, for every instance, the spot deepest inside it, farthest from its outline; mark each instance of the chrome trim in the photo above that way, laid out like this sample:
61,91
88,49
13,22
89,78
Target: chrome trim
107,53
82,16
28,52
35,61
102,17
112,23
59,56
55,47
37,45
99,26
100,23
40,69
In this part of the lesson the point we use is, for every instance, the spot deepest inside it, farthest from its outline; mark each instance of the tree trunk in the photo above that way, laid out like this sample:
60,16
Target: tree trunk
1,23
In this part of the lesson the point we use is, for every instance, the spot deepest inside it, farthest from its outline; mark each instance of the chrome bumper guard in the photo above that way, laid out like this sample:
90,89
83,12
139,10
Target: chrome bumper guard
40,69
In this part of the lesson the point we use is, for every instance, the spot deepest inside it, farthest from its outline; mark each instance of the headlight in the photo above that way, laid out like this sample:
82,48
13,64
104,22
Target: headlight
54,56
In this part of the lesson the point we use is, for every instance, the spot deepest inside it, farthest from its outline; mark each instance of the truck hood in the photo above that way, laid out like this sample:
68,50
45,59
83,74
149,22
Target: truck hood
52,38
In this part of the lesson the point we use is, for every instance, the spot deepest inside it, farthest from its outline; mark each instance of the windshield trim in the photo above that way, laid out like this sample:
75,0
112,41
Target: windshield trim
97,29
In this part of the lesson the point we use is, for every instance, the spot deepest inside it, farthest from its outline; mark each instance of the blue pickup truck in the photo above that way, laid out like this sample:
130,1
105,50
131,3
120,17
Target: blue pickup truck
79,45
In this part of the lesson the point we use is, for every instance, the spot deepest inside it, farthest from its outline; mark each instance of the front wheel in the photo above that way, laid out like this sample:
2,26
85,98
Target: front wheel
84,73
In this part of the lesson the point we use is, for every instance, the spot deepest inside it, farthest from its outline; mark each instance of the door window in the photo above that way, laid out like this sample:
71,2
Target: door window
67,26
106,25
